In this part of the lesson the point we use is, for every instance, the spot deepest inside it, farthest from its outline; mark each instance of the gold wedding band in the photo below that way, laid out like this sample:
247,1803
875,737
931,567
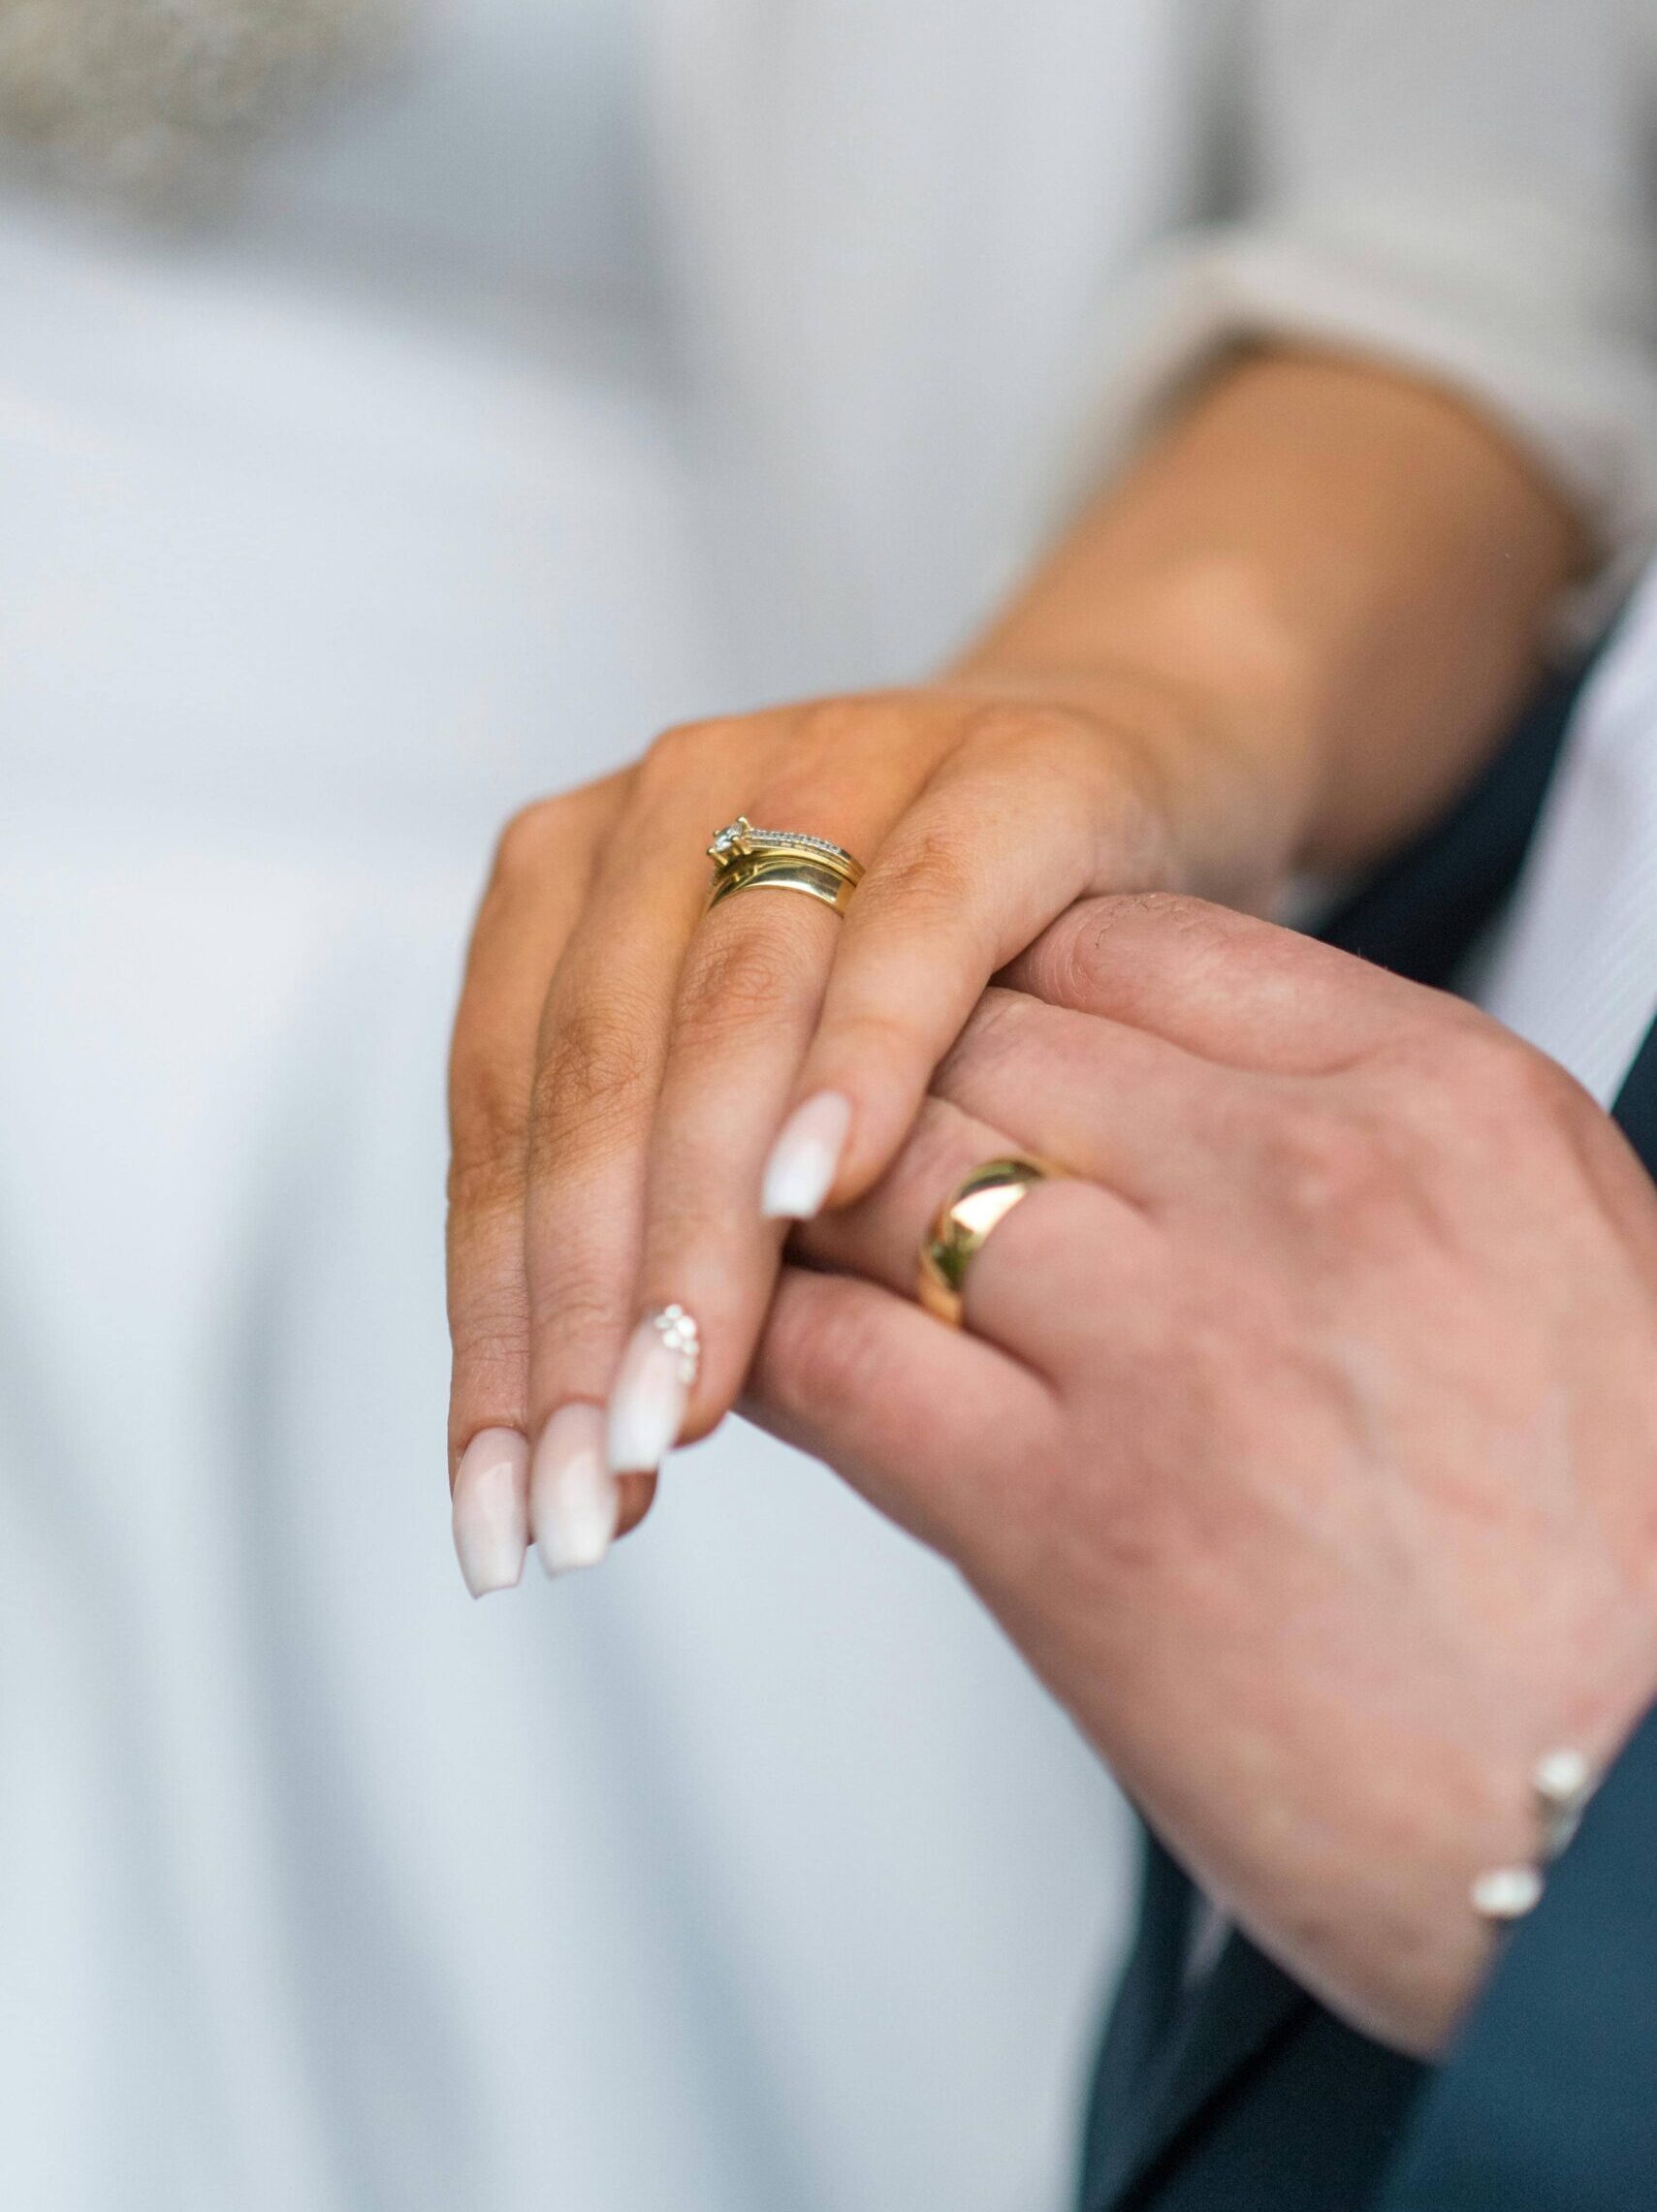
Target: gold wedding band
746,859
962,1229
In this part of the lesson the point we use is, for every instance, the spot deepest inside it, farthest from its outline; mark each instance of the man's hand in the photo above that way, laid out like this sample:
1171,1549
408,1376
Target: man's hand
1306,1442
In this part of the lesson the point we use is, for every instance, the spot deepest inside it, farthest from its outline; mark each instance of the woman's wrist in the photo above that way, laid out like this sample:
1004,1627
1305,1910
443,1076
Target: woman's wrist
1316,600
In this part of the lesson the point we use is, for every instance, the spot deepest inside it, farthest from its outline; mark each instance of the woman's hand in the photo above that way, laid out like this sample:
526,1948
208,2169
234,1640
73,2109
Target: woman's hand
1304,1443
624,1061
1286,633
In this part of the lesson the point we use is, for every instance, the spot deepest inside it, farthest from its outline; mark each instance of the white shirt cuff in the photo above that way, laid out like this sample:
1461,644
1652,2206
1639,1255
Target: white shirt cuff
1535,335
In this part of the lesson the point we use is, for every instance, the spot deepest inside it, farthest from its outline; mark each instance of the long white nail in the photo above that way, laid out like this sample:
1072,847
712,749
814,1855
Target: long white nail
491,1511
805,1160
574,1504
647,1407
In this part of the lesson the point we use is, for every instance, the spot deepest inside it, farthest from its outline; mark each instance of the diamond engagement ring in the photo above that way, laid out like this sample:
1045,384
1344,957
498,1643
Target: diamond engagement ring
746,859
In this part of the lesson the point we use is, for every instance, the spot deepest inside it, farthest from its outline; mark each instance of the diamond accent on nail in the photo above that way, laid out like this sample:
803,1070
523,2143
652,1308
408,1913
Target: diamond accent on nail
741,837
678,1332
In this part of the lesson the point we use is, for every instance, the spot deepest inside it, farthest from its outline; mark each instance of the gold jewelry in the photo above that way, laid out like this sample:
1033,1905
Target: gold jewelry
746,859
962,1227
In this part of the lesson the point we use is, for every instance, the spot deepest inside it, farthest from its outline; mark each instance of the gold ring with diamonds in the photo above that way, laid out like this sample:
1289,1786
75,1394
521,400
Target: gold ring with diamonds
965,1220
746,859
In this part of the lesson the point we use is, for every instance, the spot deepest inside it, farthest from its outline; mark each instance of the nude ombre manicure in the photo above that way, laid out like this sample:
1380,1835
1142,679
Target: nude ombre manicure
647,1407
806,1157
574,1502
491,1511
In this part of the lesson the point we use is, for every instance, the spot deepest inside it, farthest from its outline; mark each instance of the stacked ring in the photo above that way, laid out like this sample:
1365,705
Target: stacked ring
962,1227
746,859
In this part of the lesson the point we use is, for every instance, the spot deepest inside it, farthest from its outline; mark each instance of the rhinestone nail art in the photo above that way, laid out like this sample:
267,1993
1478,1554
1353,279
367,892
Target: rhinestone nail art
678,1332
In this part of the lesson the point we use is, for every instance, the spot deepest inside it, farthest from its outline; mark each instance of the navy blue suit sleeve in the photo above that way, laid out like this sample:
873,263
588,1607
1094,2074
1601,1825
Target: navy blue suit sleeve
1547,2103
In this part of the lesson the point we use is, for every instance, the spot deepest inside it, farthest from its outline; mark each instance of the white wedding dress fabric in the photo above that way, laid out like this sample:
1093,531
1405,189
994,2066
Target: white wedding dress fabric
604,365
468,447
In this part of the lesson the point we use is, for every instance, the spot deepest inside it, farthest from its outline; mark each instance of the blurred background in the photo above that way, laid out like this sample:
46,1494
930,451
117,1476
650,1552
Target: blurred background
407,407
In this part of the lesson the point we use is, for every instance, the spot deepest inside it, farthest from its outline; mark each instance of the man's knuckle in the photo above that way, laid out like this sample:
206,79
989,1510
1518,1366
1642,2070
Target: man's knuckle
1325,1161
1523,1086
1468,1076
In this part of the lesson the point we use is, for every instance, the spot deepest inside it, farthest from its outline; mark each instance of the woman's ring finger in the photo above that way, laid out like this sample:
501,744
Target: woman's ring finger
746,859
